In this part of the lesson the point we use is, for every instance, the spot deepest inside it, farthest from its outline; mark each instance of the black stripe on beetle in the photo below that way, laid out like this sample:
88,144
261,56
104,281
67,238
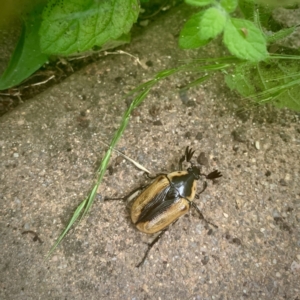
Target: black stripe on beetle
167,198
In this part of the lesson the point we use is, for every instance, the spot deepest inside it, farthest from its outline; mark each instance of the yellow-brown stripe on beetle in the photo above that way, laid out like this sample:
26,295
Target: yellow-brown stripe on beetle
167,198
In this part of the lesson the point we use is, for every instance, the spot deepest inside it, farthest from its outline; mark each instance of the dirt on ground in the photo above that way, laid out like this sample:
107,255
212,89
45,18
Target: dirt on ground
52,145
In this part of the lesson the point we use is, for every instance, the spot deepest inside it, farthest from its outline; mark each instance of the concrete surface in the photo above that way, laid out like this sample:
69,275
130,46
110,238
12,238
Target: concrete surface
50,148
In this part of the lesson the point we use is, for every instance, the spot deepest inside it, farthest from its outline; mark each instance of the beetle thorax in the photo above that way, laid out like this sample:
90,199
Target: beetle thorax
184,182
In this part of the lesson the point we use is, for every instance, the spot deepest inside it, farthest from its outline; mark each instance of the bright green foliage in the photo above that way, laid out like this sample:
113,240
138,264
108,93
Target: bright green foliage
75,26
229,5
242,38
189,35
245,40
68,27
212,23
199,2
27,56
278,81
257,75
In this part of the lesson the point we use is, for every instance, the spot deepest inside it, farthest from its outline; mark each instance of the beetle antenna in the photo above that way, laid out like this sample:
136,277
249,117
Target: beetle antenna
213,175
186,157
189,154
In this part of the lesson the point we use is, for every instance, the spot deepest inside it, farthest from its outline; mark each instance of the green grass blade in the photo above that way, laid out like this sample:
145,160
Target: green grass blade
71,222
136,102
85,205
195,82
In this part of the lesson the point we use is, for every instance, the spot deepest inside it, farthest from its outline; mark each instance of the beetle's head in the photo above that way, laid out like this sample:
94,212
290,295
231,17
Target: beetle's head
195,171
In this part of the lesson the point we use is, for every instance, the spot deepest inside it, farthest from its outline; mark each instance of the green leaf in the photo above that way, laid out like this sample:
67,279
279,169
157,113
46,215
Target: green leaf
244,40
27,56
229,5
123,39
75,26
189,36
199,2
247,8
212,23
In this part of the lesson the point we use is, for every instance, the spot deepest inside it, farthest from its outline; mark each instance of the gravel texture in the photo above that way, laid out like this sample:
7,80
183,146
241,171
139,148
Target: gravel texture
50,149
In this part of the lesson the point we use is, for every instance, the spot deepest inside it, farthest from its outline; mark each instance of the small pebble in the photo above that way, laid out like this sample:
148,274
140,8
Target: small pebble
239,202
295,267
26,226
276,213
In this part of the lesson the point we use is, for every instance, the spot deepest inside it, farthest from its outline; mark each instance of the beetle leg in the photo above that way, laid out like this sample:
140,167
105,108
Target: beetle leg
196,207
127,196
135,190
203,189
201,215
150,177
150,246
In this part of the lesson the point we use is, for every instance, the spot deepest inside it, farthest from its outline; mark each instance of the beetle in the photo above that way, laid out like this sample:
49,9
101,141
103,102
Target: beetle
167,198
